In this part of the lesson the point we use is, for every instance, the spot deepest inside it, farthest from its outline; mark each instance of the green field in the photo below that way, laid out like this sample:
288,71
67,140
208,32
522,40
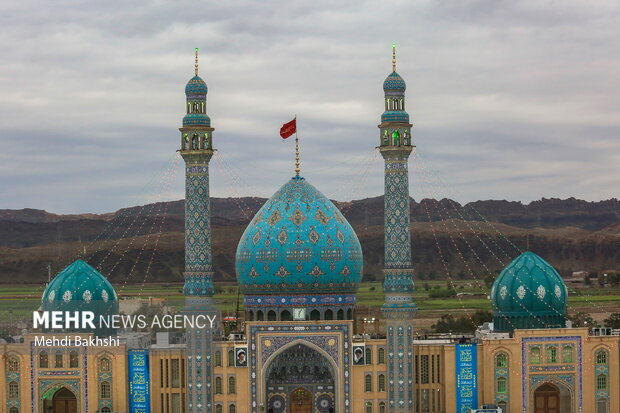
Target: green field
18,301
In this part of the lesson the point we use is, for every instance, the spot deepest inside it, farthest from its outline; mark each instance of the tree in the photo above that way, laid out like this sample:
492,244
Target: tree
426,287
489,279
613,321
582,319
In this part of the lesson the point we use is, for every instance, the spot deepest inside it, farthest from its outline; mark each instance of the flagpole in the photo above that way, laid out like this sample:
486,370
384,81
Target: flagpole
296,151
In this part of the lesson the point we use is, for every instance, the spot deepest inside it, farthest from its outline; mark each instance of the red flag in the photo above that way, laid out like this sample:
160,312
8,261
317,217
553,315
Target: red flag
288,129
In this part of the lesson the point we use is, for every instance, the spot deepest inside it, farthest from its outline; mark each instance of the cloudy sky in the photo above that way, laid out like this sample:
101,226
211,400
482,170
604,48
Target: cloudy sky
510,100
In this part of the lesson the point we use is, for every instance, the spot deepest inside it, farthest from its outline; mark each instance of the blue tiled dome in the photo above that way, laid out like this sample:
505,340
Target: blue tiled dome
199,119
299,243
196,86
394,82
528,293
395,116
79,287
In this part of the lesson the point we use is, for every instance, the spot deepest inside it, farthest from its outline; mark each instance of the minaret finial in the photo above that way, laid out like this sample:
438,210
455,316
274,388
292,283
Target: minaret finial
196,64
393,58
296,150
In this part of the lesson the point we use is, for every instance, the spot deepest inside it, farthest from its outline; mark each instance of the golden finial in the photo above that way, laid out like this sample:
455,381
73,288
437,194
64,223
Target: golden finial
196,64
296,149
393,58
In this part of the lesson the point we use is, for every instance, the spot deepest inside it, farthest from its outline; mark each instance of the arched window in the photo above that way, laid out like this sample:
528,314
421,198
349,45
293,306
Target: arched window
382,407
368,383
315,315
406,137
368,408
552,354
13,410
218,385
368,355
13,390
349,314
601,382
601,357
504,406
396,138
58,359
218,408
567,354
43,360
286,316
73,359
104,390
535,355
205,141
231,358
195,141
232,409
601,406
501,385
259,316
232,385
104,365
329,315
385,137
381,382
12,364
105,410
501,360
218,358
381,355
340,314
271,315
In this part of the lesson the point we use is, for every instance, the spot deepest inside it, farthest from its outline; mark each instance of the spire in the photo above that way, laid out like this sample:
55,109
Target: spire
393,58
196,64
296,155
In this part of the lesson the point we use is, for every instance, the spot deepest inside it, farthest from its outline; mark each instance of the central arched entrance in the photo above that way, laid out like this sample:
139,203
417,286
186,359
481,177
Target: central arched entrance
63,401
547,399
300,380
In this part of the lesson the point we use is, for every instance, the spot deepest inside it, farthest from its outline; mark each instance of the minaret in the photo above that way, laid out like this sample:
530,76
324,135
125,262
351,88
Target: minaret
197,150
398,309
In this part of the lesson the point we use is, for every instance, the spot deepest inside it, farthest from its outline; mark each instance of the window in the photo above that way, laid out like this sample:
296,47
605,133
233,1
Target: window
567,354
552,355
13,364
368,355
232,385
382,407
424,369
43,360
231,358
104,365
504,406
175,402
501,385
13,410
368,383
381,382
73,359
601,406
175,373
218,385
104,390
601,382
13,390
381,355
501,360
601,357
232,409
218,408
105,410
368,408
535,355
58,360
218,358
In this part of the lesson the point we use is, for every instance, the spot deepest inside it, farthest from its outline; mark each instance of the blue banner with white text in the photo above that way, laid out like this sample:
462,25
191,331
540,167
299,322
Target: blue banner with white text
466,378
139,388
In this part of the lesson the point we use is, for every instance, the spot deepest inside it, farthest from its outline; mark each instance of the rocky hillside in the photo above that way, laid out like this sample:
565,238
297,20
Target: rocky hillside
145,243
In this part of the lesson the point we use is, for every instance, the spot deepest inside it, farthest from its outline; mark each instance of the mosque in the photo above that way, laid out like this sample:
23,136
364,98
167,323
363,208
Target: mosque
299,265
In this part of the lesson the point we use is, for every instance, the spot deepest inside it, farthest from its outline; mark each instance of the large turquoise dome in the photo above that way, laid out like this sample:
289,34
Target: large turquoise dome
529,293
79,287
196,86
394,82
299,242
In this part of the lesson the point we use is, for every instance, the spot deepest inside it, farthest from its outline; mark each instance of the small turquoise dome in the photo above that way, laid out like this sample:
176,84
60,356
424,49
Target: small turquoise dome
395,116
193,119
394,83
528,293
299,243
196,86
79,287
